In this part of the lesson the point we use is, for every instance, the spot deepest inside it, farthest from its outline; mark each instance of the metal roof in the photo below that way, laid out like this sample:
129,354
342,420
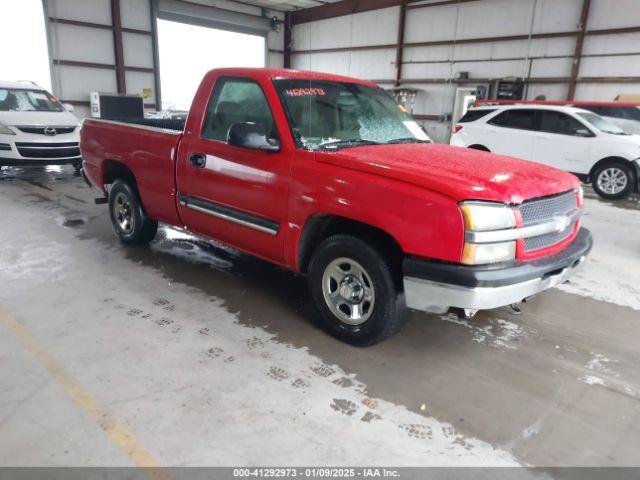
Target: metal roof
288,5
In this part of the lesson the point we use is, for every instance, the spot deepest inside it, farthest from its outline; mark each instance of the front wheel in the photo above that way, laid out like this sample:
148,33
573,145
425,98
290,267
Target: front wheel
355,292
613,181
129,220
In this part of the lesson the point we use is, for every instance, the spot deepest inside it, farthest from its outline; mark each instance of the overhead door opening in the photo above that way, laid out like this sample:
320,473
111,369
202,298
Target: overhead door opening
187,52
24,41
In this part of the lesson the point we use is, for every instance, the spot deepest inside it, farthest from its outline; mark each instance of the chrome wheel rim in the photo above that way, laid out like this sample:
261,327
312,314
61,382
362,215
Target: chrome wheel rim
612,180
348,291
123,213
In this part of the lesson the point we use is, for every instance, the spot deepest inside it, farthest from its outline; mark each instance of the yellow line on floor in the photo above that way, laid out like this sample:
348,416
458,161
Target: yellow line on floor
116,432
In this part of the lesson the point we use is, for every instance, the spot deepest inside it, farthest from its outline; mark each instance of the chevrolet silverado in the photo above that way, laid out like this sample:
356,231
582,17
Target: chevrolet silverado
327,176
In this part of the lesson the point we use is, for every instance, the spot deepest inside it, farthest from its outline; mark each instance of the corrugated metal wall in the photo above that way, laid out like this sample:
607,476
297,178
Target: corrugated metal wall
83,38
448,37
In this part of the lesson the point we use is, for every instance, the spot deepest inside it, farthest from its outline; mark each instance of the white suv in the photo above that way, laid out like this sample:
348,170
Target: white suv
569,138
35,128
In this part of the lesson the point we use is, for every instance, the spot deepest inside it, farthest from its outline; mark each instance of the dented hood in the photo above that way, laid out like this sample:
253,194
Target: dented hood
459,173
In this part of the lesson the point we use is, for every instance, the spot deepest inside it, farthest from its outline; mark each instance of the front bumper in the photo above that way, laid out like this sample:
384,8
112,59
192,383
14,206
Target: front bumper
437,287
26,162
636,164
24,149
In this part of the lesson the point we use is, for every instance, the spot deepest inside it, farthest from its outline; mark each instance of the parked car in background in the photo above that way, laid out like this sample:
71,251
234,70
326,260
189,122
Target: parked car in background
35,128
168,114
325,175
569,138
626,117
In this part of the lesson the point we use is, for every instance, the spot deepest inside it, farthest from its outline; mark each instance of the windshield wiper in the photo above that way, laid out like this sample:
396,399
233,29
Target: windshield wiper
407,140
345,144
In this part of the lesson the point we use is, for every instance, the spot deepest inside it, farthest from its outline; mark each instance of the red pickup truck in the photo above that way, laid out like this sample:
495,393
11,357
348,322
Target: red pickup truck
328,177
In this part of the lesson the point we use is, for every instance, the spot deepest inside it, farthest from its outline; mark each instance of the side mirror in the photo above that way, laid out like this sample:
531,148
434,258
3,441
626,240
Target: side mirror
68,107
252,135
582,132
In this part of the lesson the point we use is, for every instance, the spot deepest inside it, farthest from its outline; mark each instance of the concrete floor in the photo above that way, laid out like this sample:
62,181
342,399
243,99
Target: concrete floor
189,353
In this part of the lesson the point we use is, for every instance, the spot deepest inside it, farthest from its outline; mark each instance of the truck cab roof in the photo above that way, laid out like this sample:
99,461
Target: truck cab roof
278,73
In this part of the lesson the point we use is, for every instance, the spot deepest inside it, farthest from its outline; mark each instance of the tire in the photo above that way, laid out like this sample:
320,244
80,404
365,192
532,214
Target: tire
478,147
613,180
128,218
369,278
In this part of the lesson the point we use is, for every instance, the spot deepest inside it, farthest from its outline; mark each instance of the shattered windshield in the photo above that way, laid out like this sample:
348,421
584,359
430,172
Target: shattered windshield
24,100
334,115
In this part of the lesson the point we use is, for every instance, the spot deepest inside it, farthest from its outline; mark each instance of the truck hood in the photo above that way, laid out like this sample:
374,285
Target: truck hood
459,173
57,119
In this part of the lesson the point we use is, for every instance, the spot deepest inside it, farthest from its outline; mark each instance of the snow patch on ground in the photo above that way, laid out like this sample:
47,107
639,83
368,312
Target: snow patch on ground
532,430
612,271
592,380
497,333
599,363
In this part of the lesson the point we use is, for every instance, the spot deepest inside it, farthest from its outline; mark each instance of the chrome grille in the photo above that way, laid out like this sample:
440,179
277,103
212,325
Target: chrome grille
541,241
41,130
544,210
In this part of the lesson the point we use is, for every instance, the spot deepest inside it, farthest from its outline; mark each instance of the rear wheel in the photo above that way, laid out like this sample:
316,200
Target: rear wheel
128,218
355,291
613,180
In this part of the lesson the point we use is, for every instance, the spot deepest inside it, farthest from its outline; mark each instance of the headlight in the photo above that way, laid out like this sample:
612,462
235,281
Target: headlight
483,253
580,195
481,217
4,130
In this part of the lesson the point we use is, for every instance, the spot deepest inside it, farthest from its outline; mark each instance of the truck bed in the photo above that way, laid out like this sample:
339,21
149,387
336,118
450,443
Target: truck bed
147,147
161,123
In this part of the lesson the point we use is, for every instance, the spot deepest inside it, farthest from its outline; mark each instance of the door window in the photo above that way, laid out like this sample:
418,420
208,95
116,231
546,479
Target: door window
560,123
628,113
236,100
521,119
473,115
600,110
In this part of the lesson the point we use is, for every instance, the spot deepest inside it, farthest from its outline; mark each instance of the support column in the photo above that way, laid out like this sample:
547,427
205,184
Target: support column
287,40
116,20
400,43
577,54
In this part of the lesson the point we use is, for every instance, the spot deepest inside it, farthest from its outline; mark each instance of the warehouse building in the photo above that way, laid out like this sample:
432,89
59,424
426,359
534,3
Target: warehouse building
376,236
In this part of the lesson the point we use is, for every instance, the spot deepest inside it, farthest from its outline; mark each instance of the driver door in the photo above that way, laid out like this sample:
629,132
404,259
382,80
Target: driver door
234,194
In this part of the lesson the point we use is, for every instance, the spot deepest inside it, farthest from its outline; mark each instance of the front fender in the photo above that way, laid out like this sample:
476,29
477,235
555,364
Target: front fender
423,223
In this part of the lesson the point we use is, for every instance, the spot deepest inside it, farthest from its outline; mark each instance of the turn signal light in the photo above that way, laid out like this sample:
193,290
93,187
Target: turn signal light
485,253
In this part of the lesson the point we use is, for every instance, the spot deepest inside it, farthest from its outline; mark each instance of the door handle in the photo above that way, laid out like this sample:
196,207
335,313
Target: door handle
198,160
